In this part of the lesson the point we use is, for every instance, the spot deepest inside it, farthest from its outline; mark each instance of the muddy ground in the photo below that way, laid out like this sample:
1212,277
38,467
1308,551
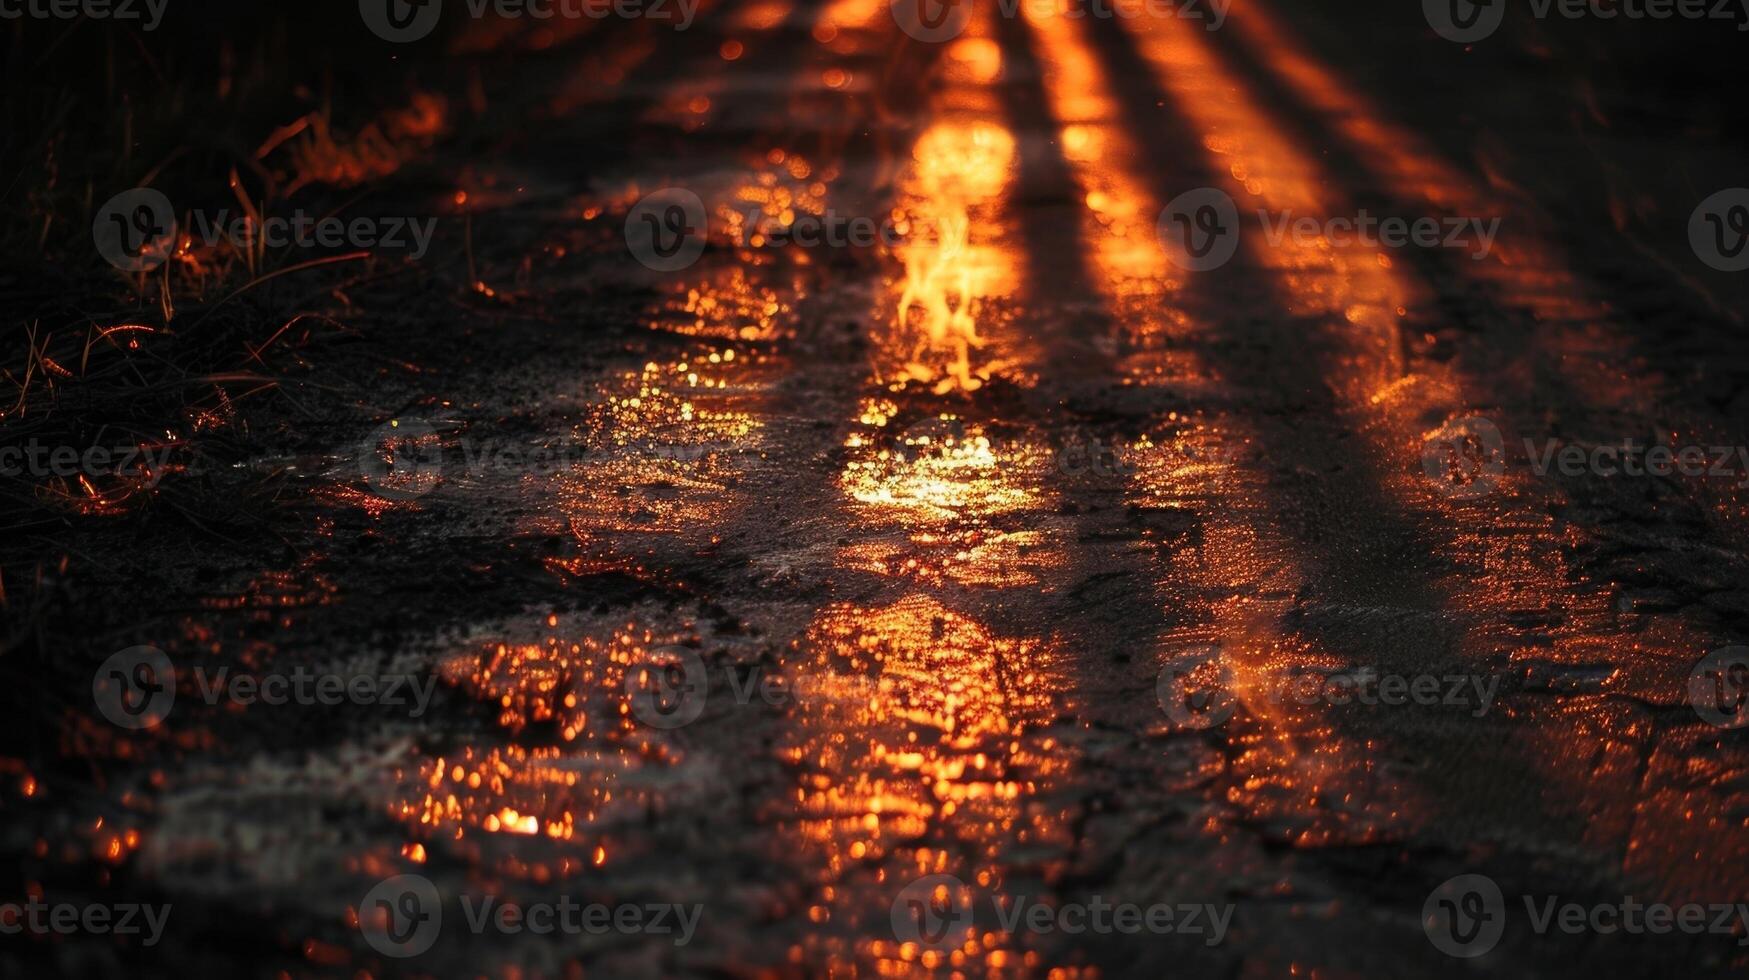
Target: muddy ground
1002,547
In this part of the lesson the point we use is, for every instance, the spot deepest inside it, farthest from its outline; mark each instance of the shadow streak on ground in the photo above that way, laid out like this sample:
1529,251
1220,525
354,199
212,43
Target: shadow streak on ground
1452,273
1351,480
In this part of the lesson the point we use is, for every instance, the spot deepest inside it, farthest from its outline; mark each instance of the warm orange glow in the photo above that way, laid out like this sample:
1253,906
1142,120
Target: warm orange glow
1124,258
958,169
1262,169
574,684
1291,767
917,753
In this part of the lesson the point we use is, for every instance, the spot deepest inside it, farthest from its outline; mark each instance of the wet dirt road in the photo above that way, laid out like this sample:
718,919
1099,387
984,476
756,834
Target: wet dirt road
1005,551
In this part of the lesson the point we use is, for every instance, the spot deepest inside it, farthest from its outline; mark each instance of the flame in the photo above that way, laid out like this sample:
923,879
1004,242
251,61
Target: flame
957,167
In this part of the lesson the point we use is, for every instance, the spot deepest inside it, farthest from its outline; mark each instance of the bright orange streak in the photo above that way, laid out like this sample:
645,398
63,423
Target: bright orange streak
958,166
1299,771
1577,334
853,14
760,15
1661,832
920,736
1266,172
1527,271
1105,161
952,203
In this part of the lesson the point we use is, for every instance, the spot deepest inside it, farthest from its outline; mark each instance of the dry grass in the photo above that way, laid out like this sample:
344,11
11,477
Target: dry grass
210,359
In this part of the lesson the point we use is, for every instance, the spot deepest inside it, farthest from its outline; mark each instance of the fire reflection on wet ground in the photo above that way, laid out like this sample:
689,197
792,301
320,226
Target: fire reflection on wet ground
575,772
1288,769
921,742
1528,612
917,754
958,167
868,478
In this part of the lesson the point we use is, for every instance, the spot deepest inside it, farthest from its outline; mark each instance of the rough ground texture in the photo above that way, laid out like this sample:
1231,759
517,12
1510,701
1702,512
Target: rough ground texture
930,519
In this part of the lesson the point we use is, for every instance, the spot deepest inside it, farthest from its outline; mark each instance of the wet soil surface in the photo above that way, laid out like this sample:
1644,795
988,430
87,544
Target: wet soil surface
1004,548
